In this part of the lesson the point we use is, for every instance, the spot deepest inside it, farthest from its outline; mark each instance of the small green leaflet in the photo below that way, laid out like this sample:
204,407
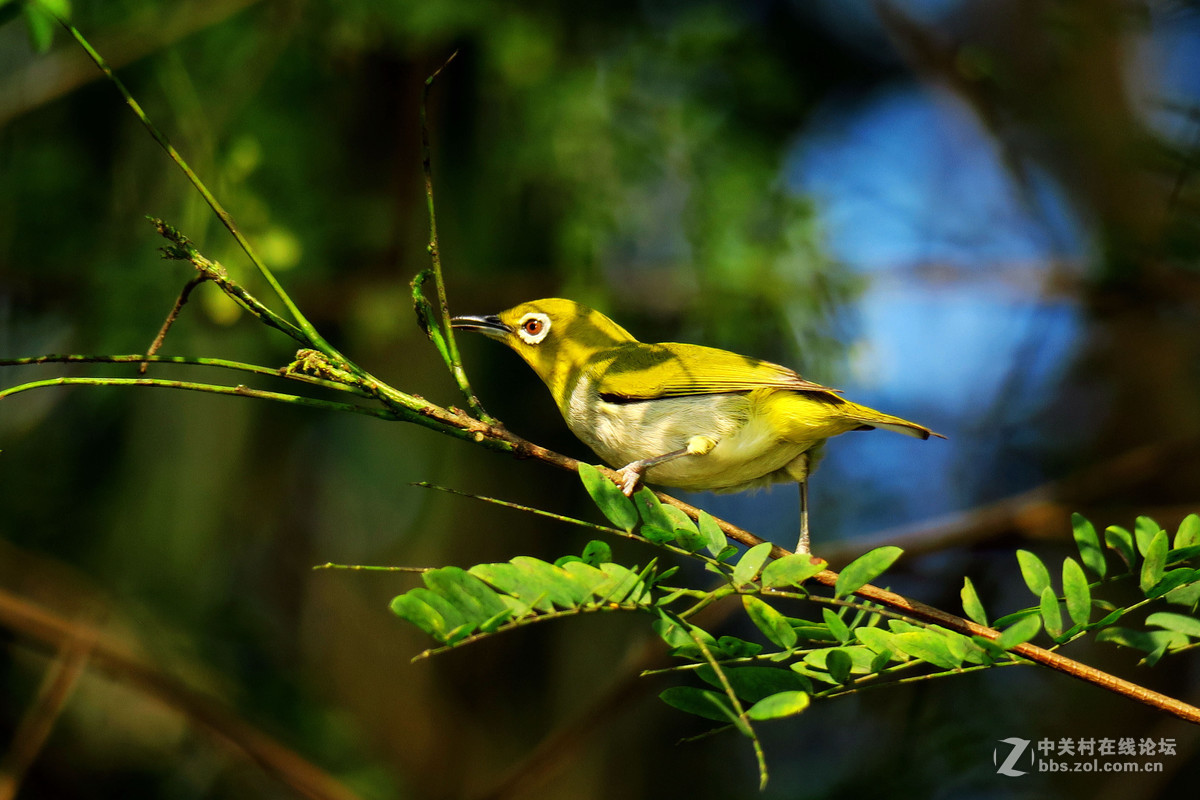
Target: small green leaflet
714,539
791,571
839,664
972,607
1036,576
701,702
1121,541
865,569
752,684
1090,551
1188,626
1020,632
1188,533
1076,591
772,624
1156,560
777,706
1144,531
608,497
837,625
750,563
1051,614
930,646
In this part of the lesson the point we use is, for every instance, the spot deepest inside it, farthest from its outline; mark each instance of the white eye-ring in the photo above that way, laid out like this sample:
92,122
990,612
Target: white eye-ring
533,328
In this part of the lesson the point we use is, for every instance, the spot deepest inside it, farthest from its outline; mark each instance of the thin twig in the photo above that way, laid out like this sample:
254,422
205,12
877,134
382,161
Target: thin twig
237,391
182,249
180,302
449,346
310,331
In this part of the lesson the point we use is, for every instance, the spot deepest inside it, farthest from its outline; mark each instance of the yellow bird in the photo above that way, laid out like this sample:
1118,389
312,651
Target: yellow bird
679,415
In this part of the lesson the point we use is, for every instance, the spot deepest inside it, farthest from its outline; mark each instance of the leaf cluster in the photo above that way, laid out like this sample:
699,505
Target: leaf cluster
797,642
1161,567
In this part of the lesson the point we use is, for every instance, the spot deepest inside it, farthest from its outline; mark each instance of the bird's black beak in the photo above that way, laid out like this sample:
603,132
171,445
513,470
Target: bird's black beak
489,325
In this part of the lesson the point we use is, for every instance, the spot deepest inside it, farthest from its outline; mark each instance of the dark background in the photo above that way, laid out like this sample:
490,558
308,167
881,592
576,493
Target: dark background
977,215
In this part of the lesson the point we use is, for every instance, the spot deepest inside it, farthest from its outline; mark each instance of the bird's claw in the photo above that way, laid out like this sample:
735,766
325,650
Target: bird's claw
629,476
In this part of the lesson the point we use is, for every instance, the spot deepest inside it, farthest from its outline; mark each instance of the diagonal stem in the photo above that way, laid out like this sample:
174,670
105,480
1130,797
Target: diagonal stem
447,345
309,330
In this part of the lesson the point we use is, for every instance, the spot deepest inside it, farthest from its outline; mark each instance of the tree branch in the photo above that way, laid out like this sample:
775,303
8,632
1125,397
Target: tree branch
47,629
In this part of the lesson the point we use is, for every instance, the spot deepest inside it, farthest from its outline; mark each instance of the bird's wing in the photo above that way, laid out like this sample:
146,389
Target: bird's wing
639,371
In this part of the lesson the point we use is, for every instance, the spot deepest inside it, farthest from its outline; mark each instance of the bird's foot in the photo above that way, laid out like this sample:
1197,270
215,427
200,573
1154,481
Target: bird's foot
629,476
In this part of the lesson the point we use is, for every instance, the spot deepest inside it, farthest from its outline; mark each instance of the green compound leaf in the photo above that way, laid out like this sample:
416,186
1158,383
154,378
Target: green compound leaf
714,538
752,684
837,625
791,571
1076,591
865,569
686,534
1036,576
839,664
750,563
1155,564
733,647
1144,531
473,598
652,511
412,608
930,646
675,632
778,706
972,607
1090,551
1121,542
1146,641
1051,613
1186,594
772,624
597,552
1172,580
861,658
1188,534
879,641
701,702
1180,623
1020,632
608,498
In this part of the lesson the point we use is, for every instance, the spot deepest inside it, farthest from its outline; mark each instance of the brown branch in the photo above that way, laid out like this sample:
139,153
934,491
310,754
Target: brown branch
46,628
180,302
35,727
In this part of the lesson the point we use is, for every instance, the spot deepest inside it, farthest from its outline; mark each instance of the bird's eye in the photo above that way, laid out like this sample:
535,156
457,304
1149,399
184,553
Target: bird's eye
533,328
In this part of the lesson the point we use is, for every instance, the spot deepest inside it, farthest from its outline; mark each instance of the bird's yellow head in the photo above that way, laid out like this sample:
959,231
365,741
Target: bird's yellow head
558,338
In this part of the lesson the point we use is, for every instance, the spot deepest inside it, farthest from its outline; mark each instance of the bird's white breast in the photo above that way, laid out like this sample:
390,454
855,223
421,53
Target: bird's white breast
748,451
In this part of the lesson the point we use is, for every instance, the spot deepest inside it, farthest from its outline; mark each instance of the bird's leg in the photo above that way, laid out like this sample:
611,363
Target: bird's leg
631,474
802,545
799,468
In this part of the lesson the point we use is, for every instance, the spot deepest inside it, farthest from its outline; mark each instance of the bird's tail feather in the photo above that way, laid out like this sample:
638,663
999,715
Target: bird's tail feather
870,418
